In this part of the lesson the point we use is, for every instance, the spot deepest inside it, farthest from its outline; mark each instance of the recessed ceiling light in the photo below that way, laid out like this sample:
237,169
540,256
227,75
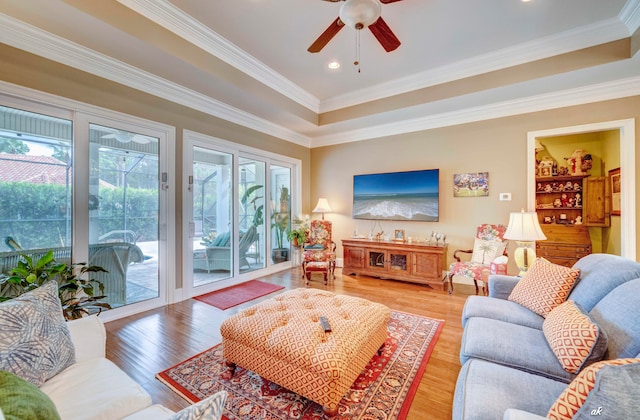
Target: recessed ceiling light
333,65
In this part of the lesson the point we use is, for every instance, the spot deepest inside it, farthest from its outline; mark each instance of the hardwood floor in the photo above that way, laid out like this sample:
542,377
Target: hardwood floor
147,343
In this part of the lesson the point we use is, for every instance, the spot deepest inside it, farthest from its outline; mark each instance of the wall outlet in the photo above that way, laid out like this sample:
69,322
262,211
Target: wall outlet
505,196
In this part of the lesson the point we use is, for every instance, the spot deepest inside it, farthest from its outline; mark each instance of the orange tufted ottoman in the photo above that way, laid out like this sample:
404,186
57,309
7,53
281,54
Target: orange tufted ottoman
281,339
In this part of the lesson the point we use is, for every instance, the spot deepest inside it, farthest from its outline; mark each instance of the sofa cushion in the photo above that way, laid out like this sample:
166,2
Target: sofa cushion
511,345
35,342
222,240
600,274
20,399
618,315
485,390
606,389
575,339
500,309
208,409
544,286
101,390
485,251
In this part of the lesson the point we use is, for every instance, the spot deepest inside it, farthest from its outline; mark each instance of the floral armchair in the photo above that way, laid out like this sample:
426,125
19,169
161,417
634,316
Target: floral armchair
488,245
319,247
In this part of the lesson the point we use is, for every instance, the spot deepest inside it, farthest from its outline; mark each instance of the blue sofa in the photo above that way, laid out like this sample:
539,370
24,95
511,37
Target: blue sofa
508,369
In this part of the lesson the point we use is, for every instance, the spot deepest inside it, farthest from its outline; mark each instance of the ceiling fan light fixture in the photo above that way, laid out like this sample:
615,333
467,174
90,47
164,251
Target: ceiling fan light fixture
359,14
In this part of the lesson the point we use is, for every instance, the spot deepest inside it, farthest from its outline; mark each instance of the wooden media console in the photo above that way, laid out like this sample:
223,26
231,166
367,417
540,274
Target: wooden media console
413,262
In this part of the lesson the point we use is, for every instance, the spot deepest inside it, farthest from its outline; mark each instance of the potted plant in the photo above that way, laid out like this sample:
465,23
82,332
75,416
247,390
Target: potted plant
298,236
279,225
77,295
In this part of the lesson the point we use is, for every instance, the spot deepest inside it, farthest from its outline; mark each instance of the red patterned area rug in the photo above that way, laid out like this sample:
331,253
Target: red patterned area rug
384,389
240,293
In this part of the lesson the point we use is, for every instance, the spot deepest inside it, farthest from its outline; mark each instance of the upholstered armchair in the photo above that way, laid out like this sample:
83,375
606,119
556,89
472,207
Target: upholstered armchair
319,247
488,245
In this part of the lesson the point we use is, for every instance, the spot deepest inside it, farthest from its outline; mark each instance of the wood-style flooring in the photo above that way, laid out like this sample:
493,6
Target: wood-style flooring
147,343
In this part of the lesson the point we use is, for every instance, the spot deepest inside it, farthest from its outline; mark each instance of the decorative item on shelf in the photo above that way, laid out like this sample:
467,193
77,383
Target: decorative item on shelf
322,207
525,230
437,237
398,235
545,167
575,162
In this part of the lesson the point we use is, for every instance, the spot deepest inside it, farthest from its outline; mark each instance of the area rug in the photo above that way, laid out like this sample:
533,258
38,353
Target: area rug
240,293
384,389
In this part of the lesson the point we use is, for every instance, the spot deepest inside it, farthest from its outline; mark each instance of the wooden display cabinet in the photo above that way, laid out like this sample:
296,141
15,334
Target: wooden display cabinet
565,244
417,263
588,197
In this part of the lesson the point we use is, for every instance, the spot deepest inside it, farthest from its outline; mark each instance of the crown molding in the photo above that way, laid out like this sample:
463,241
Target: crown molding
175,20
630,15
26,37
579,38
570,97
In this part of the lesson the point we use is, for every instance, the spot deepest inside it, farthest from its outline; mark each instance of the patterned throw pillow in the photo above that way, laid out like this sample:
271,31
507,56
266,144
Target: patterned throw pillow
544,286
20,399
35,342
486,251
616,392
574,338
210,409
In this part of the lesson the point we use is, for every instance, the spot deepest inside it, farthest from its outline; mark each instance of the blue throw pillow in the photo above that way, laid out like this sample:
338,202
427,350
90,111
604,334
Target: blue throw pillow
317,247
222,240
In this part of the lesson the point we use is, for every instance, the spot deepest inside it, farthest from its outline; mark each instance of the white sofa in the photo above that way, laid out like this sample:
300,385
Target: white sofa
94,387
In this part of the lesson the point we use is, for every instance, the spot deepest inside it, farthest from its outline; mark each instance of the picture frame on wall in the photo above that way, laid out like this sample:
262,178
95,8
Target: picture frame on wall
474,184
399,235
615,187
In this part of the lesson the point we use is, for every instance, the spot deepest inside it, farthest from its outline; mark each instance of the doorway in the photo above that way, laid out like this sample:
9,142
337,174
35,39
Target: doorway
626,131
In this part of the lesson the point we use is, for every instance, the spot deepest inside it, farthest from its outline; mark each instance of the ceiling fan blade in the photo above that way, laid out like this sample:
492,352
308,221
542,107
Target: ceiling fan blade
388,1
385,35
326,36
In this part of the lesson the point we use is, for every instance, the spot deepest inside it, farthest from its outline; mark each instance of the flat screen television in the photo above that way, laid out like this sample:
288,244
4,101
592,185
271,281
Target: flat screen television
410,195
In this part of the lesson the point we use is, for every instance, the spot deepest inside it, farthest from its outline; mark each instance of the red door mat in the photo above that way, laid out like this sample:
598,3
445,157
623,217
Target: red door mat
240,293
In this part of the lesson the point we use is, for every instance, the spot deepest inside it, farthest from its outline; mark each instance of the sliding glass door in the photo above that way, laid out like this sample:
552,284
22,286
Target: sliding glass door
252,212
124,197
92,189
212,212
239,204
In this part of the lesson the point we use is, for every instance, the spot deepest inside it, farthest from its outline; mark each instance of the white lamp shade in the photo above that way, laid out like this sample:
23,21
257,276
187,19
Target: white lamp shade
524,226
359,14
322,206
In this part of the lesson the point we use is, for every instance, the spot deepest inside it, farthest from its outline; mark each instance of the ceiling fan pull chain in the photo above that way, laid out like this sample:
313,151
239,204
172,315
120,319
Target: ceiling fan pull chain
357,62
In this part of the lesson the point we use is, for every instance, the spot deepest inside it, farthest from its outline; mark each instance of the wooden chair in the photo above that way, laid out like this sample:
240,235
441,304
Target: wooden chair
319,248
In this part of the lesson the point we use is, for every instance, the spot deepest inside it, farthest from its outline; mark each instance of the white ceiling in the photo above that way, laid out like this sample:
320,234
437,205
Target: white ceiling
247,60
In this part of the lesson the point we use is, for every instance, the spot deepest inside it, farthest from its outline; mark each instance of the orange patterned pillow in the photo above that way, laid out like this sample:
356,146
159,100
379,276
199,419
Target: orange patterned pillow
574,396
574,338
544,286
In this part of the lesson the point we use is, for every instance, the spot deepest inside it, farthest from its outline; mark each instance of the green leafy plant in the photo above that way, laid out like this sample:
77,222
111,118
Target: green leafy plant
299,235
77,295
280,218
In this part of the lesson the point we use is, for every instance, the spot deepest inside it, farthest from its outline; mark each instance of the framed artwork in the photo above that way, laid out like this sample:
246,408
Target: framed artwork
614,179
474,184
398,235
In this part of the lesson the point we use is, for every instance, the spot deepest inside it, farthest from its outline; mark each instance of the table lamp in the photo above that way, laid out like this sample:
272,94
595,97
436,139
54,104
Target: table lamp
322,207
525,230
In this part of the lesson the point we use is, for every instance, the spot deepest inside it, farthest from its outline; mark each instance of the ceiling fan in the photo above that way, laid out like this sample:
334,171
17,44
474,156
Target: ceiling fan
359,14
127,137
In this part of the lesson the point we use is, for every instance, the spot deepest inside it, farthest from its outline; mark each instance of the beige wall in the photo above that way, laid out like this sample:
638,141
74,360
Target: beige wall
496,146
